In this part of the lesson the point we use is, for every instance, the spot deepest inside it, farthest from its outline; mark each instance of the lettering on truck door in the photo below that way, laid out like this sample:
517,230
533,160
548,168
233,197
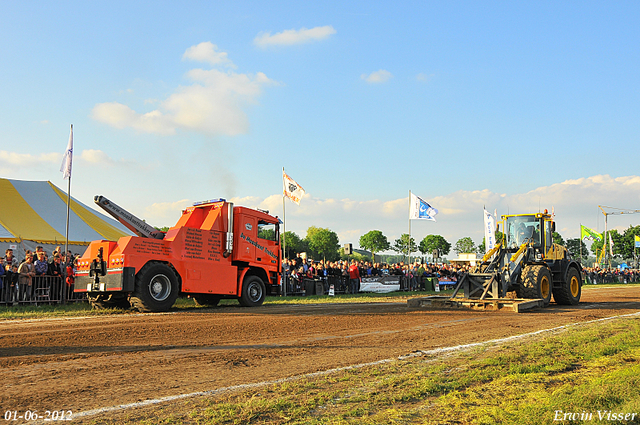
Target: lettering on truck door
247,229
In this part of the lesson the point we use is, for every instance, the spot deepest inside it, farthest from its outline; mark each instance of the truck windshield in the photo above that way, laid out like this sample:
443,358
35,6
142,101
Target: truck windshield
267,231
521,229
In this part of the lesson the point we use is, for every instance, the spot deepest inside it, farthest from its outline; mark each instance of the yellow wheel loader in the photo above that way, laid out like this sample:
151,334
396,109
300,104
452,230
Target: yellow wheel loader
526,262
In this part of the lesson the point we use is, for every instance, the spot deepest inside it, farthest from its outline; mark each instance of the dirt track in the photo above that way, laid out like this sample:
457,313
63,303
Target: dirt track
87,363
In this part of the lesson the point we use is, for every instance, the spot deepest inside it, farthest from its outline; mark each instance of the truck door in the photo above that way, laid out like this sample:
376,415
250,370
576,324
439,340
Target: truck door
247,230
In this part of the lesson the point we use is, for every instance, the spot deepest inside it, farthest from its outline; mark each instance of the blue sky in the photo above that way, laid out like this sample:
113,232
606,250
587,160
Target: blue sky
516,106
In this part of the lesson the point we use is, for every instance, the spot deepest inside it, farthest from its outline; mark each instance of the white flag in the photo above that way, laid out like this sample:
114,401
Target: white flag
489,231
65,168
419,208
610,245
292,190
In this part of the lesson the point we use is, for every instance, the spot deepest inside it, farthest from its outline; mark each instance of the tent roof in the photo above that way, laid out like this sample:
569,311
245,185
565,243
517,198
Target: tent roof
37,211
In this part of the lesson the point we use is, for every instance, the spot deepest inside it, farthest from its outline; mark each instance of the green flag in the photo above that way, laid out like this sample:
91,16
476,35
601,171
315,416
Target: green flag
585,232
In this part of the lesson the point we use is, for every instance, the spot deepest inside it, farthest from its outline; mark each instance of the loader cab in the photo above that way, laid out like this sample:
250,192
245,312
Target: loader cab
535,229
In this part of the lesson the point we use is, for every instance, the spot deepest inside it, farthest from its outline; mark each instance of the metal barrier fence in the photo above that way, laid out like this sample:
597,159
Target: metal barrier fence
42,290
321,285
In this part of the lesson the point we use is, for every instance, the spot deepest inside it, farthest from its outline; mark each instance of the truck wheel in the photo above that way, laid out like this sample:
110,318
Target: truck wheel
570,291
156,288
253,292
206,300
537,283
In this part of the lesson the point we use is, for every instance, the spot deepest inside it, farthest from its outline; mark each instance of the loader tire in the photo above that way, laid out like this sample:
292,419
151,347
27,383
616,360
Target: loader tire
206,300
570,291
156,288
253,292
537,283
102,302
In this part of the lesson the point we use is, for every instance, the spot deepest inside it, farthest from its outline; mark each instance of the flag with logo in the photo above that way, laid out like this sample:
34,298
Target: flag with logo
637,240
65,168
420,209
489,231
591,234
292,190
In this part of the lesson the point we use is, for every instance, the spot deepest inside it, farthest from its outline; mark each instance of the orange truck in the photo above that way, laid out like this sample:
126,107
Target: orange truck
214,251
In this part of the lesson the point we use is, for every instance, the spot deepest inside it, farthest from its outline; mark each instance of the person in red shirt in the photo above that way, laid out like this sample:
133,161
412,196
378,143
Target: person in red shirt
354,278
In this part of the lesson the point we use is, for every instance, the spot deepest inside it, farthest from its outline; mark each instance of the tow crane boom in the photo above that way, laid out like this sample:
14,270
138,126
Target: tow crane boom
130,221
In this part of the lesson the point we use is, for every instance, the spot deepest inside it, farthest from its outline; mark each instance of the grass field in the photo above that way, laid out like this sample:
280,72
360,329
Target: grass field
588,373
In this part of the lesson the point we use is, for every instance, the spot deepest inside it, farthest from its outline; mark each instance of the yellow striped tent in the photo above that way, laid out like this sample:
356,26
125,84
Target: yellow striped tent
35,213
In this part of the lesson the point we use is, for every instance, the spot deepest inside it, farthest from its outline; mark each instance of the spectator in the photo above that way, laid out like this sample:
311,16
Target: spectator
354,278
54,266
2,274
41,264
71,277
27,272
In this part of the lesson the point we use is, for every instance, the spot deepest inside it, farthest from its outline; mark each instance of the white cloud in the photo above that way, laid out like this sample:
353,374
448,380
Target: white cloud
13,160
94,156
290,37
208,52
424,77
460,213
377,77
214,104
166,213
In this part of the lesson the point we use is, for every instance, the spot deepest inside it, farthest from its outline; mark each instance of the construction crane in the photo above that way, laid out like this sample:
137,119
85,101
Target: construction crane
618,211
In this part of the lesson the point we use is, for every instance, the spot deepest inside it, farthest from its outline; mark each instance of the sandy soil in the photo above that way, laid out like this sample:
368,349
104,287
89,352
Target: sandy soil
80,364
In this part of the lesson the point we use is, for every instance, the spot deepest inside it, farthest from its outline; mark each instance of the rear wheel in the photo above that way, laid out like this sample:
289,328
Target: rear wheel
206,300
253,292
537,283
571,289
156,288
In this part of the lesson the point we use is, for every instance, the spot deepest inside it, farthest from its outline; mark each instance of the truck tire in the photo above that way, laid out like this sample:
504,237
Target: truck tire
206,300
253,292
537,283
156,288
101,301
570,291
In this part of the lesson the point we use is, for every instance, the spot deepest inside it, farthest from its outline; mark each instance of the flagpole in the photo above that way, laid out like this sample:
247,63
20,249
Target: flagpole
66,242
409,246
284,239
580,243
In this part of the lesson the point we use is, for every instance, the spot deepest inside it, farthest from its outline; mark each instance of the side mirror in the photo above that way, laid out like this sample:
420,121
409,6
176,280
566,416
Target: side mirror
553,226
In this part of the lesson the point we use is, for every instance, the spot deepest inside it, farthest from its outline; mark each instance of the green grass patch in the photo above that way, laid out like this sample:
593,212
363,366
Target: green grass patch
185,304
583,371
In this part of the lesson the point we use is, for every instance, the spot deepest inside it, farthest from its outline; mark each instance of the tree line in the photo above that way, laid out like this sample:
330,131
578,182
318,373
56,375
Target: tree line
323,243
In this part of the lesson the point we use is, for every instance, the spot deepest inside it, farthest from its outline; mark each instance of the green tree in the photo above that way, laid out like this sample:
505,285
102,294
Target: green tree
323,242
573,246
627,242
618,243
405,245
557,238
433,242
464,245
374,241
482,248
292,243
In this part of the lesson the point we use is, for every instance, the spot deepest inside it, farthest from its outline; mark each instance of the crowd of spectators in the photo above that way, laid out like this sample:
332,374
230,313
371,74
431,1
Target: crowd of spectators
37,276
297,269
596,275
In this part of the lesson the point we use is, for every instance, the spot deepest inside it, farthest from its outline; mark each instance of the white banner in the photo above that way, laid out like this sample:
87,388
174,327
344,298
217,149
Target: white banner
489,231
420,209
292,190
